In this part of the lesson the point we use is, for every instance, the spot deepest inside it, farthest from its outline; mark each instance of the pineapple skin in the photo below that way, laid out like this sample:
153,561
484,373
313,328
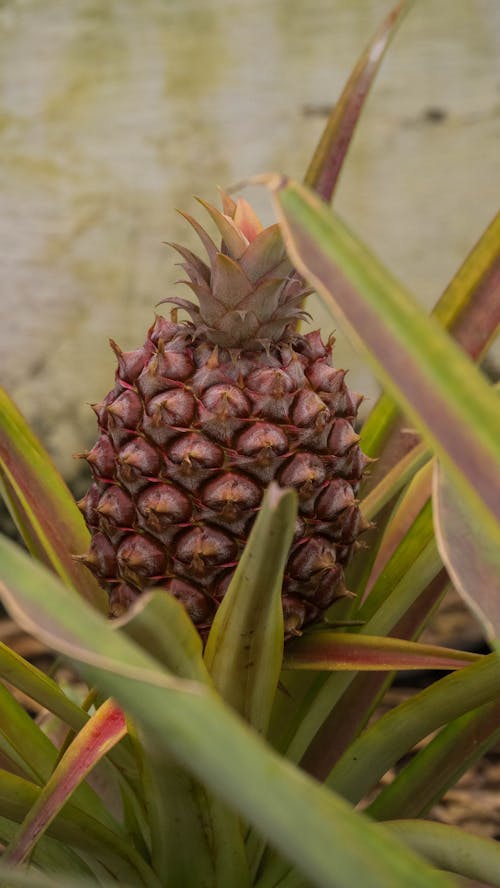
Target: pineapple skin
190,437
204,416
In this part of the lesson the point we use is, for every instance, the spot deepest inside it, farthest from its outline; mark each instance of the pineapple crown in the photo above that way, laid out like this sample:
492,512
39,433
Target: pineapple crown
248,293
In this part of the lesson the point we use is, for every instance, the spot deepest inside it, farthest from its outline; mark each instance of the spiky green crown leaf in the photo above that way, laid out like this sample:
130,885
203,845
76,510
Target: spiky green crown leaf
248,295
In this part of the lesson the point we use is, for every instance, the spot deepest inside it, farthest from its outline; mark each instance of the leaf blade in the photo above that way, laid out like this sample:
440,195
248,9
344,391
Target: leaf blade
96,738
437,385
471,558
326,165
41,504
244,650
195,726
359,653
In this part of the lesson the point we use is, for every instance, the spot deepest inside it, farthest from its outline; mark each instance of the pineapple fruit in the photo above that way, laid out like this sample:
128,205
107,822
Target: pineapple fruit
204,416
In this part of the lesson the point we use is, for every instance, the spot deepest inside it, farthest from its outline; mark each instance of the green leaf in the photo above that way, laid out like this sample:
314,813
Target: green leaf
470,309
452,849
357,652
32,753
95,739
414,565
41,504
50,855
159,624
327,162
393,482
244,650
395,733
39,687
391,527
439,765
78,830
194,836
425,371
408,530
211,741
31,878
353,710
44,690
472,558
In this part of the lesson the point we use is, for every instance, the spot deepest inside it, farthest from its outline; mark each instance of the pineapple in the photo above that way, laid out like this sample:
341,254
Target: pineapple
204,416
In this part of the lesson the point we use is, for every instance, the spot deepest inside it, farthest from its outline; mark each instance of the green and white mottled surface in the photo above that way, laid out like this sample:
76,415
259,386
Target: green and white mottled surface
114,112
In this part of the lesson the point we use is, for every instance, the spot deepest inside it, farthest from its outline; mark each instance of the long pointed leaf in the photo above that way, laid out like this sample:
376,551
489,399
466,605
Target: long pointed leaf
49,854
471,557
187,719
95,739
470,309
22,741
46,513
433,381
31,878
244,651
452,849
439,765
328,159
396,732
78,830
194,835
357,652
353,710
410,521
394,481
39,687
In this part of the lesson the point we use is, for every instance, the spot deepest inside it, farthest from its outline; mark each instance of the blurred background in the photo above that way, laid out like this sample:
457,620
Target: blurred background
113,113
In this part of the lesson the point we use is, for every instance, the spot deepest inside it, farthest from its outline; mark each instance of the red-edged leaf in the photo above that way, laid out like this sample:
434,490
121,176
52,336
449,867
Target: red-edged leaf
103,731
41,504
405,514
470,309
369,653
353,709
325,167
433,381
472,559
439,765
394,481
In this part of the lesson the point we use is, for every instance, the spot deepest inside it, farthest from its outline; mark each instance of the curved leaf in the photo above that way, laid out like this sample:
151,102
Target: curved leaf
244,650
341,651
78,830
95,739
439,765
411,514
395,733
49,854
328,159
431,378
452,849
32,878
39,687
194,836
212,742
472,558
41,504
393,482
470,309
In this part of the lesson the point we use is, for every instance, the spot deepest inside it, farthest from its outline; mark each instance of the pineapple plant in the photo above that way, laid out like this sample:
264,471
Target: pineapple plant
204,416
204,755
